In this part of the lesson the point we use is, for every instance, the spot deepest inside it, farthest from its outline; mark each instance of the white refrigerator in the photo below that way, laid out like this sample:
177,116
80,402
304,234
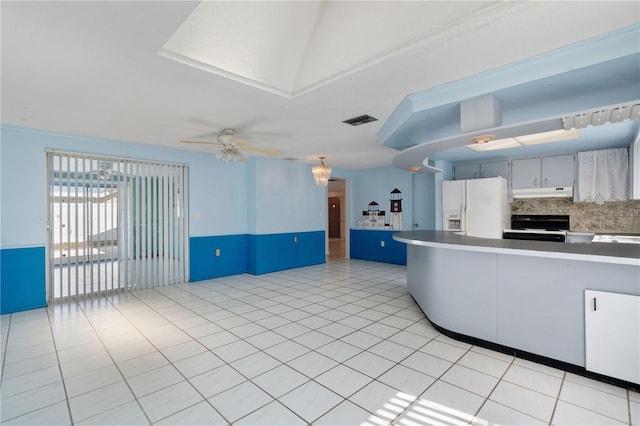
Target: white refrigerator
476,207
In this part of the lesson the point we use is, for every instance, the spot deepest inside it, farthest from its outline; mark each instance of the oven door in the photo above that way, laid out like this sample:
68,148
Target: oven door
534,236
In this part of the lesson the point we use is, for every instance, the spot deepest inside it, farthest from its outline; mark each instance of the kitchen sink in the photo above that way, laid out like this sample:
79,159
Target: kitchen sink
579,237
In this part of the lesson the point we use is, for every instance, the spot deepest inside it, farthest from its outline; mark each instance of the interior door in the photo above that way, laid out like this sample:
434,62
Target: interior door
334,217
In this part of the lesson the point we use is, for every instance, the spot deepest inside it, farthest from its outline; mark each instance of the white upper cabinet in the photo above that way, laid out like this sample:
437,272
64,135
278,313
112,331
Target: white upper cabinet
558,170
466,171
546,172
526,173
481,170
495,169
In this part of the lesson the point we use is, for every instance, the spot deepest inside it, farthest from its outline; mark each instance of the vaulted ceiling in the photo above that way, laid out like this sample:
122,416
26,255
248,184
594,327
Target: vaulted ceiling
283,74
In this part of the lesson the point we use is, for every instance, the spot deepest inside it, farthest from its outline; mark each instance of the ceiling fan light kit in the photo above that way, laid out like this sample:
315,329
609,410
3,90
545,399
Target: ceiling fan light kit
230,154
321,173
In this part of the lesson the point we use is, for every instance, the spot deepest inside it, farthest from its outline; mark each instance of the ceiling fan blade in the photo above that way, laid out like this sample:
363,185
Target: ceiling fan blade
207,135
262,151
203,142
239,142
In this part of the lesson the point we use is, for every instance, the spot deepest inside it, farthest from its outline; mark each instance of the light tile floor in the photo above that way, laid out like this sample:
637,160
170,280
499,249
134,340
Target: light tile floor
335,344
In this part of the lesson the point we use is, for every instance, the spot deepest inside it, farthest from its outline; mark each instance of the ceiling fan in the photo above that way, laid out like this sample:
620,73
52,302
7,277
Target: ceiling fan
232,145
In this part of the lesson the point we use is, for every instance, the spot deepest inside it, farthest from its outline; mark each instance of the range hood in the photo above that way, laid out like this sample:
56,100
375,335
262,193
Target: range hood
558,192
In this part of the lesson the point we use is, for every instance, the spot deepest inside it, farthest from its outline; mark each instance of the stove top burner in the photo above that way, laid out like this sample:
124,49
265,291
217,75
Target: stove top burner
534,235
537,231
540,222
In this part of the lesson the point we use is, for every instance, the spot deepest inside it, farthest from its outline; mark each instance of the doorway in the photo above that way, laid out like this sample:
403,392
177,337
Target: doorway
335,213
113,225
337,228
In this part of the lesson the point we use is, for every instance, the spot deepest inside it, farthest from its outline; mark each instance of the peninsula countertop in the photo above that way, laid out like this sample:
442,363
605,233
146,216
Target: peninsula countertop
528,298
621,253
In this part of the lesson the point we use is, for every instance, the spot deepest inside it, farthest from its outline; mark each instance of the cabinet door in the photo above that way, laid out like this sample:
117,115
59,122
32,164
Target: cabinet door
558,170
612,331
525,173
466,171
495,169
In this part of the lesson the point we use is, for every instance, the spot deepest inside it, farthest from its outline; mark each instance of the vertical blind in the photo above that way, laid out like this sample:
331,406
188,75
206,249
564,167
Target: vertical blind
114,224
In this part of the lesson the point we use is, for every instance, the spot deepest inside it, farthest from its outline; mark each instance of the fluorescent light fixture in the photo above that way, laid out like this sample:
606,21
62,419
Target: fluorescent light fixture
533,139
494,145
546,137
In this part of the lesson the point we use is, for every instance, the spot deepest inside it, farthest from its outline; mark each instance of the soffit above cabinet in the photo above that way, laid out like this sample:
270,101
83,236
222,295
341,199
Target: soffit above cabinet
535,94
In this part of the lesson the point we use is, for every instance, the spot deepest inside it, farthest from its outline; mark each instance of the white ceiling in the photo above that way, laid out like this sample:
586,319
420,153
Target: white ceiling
94,68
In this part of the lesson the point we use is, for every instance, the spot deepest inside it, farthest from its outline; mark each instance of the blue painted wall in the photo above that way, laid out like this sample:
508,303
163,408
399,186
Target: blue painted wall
266,201
251,211
282,197
277,252
206,265
366,245
22,274
376,185
254,254
418,206
216,189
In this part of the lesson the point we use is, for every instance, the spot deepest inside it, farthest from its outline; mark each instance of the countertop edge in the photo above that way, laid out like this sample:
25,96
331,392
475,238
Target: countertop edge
451,241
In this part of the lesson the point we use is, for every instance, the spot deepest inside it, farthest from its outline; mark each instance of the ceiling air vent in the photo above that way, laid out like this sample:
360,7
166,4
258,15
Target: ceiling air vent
363,119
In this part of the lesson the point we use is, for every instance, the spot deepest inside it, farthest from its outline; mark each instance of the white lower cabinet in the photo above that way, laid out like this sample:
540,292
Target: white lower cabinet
612,332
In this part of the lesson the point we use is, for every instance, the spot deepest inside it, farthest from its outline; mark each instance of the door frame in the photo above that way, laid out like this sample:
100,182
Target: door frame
343,195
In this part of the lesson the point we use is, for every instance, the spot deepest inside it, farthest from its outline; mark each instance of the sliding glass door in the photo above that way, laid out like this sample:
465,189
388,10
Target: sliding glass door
114,225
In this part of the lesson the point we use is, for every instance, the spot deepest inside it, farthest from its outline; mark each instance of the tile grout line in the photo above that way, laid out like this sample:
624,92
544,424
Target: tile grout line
64,385
4,349
597,390
58,365
436,378
513,358
334,339
250,380
629,407
186,379
175,304
555,405
232,367
92,325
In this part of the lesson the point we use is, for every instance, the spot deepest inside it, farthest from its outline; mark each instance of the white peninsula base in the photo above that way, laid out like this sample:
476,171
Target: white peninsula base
525,297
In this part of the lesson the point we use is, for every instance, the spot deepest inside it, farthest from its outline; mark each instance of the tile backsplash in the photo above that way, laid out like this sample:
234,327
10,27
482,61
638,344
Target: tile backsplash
610,217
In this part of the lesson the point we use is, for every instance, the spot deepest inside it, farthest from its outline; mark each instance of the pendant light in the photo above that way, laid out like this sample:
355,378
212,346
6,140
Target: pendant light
321,173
